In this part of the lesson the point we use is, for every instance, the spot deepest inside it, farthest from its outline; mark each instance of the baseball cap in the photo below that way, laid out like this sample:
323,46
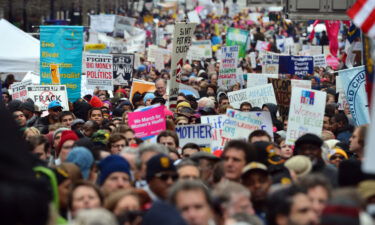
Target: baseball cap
54,104
254,166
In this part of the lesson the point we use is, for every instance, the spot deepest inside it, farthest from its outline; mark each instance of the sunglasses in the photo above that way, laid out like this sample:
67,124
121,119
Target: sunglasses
57,109
166,176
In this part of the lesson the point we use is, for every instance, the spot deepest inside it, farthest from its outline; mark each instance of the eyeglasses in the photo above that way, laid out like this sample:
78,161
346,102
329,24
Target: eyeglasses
166,176
334,157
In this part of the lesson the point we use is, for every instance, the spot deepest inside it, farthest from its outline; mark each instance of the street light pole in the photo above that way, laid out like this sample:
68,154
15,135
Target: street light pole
52,8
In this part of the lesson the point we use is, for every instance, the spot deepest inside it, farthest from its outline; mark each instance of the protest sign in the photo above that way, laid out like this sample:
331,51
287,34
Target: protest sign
253,60
368,165
135,39
200,50
262,45
18,90
320,61
283,91
216,122
99,71
61,57
102,23
123,65
199,134
239,125
194,17
141,87
301,83
256,79
97,48
256,96
237,37
152,53
353,82
180,45
42,95
296,65
306,113
270,63
228,66
147,123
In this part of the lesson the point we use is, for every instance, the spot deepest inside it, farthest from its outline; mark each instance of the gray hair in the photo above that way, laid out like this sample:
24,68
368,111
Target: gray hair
98,216
150,147
226,191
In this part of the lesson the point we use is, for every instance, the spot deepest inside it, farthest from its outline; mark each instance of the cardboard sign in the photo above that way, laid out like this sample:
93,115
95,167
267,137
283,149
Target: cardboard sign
256,79
353,82
123,65
320,61
228,66
99,71
147,123
18,90
217,124
283,92
42,95
237,37
306,113
200,50
182,35
239,125
296,65
301,83
141,86
199,134
257,96
270,64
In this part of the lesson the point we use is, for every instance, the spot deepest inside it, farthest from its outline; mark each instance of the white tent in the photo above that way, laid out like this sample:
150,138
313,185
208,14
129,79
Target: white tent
19,51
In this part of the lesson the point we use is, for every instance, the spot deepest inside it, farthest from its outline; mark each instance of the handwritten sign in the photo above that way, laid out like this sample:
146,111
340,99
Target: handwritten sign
283,92
228,66
256,79
270,63
306,113
18,90
217,124
42,95
200,50
320,61
199,134
147,123
242,124
99,71
257,96
237,37
301,83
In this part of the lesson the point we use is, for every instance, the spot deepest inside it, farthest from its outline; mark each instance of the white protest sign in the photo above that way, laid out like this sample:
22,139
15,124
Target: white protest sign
256,96
102,23
262,46
253,60
228,66
159,62
270,64
18,90
301,83
305,114
256,79
368,165
42,95
199,134
194,17
239,125
320,61
152,53
135,39
217,140
180,45
99,71
200,50
123,65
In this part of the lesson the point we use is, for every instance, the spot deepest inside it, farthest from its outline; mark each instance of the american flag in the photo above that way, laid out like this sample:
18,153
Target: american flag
363,15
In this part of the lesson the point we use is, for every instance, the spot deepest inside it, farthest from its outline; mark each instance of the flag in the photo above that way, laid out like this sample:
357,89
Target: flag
312,34
333,28
353,34
363,13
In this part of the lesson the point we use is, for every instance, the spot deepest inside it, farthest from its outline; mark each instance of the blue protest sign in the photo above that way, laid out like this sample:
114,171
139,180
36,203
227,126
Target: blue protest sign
296,65
61,57
353,82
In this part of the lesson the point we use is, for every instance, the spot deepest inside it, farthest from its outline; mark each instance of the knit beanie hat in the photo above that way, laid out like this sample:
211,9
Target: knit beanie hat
159,163
300,164
83,158
148,96
96,102
308,139
65,136
111,164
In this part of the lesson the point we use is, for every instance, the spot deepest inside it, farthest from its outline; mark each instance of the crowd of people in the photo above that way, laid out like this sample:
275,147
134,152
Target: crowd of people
87,166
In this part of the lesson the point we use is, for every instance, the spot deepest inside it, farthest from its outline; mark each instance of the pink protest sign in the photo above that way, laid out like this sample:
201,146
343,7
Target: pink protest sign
147,123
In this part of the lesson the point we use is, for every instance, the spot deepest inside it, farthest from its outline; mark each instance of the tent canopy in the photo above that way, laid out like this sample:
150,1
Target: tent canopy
19,51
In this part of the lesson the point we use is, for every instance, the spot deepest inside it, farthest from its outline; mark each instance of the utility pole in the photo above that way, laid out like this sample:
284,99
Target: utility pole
52,8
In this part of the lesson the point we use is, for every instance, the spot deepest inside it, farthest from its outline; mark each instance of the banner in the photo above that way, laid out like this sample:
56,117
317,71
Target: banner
239,125
182,35
199,134
61,57
228,66
147,123
141,86
256,79
217,124
238,37
270,64
320,61
306,113
107,23
18,90
353,82
42,95
296,65
283,92
200,50
123,65
256,96
99,71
